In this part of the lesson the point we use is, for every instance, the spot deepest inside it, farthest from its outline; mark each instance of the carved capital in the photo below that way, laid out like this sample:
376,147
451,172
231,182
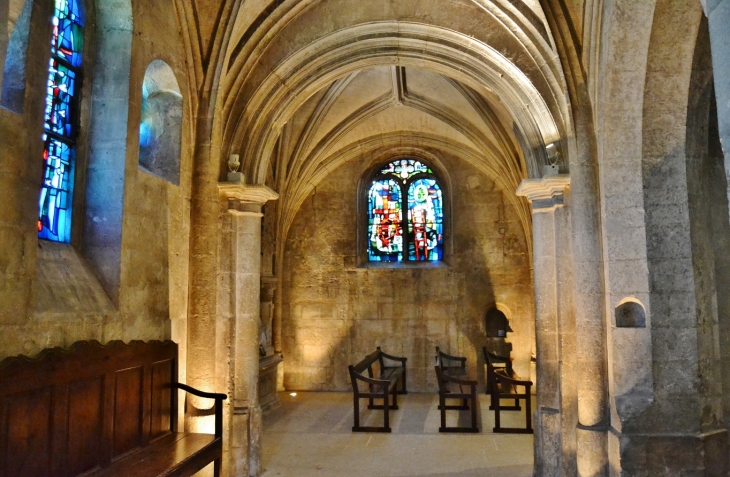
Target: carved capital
256,194
245,200
545,193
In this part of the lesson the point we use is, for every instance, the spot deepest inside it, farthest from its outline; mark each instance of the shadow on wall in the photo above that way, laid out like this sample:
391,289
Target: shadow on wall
160,129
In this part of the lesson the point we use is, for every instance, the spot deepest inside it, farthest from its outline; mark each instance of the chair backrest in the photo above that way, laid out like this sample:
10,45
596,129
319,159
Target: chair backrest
449,363
441,378
68,411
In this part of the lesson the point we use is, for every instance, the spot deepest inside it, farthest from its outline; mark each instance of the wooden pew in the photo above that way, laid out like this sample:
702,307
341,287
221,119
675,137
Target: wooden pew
101,410
451,376
382,386
503,384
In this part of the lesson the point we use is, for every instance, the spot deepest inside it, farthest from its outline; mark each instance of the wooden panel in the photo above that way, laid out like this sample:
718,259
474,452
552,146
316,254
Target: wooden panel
127,411
90,401
28,433
161,401
85,426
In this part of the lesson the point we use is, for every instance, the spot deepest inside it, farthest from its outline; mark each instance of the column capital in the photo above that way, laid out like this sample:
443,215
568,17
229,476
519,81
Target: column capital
245,200
545,193
237,191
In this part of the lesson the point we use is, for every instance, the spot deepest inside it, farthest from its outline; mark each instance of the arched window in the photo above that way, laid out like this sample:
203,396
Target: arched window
418,235
61,122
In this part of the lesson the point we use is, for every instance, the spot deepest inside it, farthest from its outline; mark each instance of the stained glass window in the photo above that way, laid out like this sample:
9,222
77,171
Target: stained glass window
425,220
405,185
385,218
55,201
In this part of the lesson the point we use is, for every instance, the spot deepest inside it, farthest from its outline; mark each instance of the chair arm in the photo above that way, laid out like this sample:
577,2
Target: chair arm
199,393
371,380
460,359
218,406
514,382
391,357
463,382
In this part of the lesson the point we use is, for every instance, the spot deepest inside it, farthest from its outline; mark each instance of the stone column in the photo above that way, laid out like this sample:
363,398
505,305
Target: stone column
556,413
241,281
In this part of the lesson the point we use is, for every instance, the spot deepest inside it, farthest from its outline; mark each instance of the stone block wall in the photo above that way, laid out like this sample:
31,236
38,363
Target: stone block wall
335,311
56,294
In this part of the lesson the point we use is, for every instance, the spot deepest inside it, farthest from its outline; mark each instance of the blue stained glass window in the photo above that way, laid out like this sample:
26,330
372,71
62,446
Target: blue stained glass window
405,185
64,69
385,217
425,220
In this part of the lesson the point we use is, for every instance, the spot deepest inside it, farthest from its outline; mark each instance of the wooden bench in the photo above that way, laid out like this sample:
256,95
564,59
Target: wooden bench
382,386
450,372
504,385
100,410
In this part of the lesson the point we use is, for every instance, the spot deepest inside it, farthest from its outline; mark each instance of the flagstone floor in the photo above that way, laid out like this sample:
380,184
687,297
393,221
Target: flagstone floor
310,435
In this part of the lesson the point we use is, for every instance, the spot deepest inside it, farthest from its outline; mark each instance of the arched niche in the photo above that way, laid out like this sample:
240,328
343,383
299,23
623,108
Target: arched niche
15,50
160,126
630,313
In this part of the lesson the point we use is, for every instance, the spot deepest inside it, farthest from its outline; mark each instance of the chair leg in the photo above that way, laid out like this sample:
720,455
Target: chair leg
356,405
497,425
386,408
217,468
442,406
474,409
528,411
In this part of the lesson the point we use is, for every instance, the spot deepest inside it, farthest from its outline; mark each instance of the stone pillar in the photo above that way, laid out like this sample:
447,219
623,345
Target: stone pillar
556,413
241,282
589,302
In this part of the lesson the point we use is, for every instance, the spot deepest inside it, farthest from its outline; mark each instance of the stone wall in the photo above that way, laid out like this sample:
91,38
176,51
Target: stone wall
335,312
55,294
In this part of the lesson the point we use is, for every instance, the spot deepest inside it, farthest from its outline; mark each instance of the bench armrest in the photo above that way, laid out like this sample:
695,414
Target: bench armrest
218,406
391,357
515,382
463,382
378,382
199,393
461,359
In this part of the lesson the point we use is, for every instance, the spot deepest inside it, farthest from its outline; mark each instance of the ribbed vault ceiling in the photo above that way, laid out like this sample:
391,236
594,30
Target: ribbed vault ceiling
312,84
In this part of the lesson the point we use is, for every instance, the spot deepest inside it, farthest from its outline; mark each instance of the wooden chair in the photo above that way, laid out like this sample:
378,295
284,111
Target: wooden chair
456,388
505,387
381,387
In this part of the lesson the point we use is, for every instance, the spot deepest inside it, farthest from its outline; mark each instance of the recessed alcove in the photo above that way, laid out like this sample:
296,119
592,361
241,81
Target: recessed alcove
160,126
630,314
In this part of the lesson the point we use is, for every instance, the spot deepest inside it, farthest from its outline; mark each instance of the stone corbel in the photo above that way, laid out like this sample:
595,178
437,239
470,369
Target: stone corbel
246,199
546,193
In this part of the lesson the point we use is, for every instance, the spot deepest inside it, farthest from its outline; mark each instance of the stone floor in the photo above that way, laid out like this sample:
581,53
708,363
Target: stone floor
310,435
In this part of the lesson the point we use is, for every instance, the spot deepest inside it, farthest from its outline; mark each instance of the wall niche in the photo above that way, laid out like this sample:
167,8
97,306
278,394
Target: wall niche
630,314
160,127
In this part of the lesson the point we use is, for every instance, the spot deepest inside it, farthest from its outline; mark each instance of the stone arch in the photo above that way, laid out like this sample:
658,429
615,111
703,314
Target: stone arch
13,79
160,127
411,45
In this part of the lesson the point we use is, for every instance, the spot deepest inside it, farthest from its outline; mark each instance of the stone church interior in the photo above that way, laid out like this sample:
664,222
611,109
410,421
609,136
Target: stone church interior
282,237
